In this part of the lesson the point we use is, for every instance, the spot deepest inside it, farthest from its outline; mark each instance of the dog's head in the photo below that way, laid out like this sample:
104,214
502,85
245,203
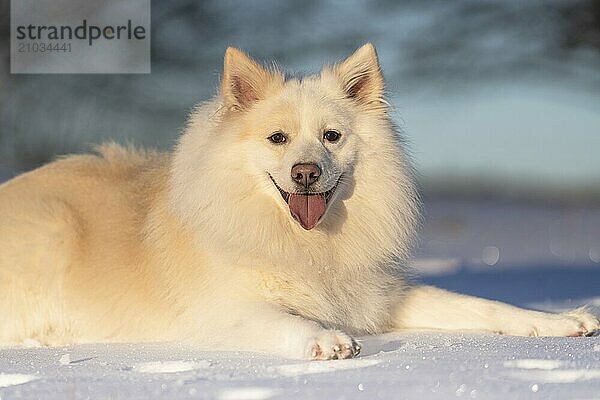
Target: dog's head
301,134
282,163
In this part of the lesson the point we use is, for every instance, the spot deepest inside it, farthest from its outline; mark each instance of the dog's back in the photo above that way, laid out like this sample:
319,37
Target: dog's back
70,233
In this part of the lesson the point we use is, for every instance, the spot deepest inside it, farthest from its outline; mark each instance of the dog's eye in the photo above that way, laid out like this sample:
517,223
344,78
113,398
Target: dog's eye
331,136
277,138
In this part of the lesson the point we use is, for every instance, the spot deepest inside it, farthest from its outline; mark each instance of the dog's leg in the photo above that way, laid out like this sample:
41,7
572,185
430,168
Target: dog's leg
265,328
426,307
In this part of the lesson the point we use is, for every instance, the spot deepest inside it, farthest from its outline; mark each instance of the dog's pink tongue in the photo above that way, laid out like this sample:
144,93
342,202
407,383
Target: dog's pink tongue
307,209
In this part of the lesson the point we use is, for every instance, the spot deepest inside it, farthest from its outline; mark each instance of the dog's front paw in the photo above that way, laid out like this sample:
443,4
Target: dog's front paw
578,322
587,322
332,345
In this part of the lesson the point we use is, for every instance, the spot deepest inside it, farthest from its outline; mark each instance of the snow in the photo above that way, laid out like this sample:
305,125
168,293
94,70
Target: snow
424,365
532,363
430,365
15,379
306,368
169,367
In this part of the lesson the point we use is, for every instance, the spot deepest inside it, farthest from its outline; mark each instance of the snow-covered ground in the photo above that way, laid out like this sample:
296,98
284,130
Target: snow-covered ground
458,253
393,366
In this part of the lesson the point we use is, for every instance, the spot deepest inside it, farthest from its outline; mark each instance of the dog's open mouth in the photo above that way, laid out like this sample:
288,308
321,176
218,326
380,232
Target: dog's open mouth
307,208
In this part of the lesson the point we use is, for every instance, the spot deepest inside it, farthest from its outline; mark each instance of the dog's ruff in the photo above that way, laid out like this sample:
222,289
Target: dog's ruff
199,244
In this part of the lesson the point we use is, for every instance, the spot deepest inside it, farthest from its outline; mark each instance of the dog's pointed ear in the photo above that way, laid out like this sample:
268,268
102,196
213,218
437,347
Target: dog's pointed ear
361,77
244,80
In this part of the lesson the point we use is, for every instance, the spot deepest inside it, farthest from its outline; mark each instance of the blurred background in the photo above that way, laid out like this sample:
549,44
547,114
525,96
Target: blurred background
500,101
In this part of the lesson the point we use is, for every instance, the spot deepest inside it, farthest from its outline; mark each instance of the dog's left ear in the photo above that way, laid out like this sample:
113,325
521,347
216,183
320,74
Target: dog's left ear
245,81
361,77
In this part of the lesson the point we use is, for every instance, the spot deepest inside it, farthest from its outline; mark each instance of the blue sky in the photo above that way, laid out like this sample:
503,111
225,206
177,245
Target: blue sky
519,131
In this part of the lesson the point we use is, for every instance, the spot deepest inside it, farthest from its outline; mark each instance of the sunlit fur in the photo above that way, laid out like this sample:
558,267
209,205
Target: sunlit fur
341,271
198,245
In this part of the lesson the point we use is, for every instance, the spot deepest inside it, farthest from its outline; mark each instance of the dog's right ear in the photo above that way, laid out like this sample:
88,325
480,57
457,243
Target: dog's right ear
245,81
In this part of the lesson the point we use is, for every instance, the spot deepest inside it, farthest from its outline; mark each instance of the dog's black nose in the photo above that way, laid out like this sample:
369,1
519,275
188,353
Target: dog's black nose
306,174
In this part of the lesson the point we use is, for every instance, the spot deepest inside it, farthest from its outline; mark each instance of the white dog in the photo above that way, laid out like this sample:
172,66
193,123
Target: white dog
281,222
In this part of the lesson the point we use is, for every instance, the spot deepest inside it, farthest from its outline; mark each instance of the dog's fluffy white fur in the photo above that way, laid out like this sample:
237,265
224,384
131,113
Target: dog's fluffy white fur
199,245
